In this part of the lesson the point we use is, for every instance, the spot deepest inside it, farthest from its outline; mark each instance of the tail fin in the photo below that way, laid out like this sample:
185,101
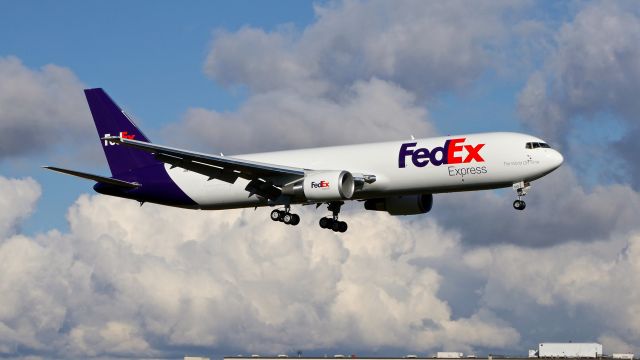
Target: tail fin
111,120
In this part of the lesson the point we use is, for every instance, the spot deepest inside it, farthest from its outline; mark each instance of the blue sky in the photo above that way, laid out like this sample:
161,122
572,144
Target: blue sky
84,275
117,44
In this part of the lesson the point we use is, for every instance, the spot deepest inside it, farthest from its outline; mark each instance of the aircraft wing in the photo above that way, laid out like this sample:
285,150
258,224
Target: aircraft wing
224,168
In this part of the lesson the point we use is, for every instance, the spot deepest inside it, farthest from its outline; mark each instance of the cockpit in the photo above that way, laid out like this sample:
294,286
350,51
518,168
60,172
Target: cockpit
537,145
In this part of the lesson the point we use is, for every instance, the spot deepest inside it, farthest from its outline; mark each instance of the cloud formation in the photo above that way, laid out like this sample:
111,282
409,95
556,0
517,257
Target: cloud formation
424,47
372,110
598,277
216,283
594,68
39,108
17,203
591,75
596,212
359,73
155,287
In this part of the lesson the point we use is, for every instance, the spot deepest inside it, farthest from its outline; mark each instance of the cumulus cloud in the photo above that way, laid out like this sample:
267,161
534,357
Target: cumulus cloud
598,277
39,108
215,282
592,72
360,72
161,280
368,111
423,47
17,202
559,209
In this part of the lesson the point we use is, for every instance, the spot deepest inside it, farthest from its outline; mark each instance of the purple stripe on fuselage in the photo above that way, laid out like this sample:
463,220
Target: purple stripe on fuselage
155,186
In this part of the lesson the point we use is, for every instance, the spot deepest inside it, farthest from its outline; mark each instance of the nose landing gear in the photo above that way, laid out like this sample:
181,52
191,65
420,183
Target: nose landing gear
285,216
519,205
332,222
521,189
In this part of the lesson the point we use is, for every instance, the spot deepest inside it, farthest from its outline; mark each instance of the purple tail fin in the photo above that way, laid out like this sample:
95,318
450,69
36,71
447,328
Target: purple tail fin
111,120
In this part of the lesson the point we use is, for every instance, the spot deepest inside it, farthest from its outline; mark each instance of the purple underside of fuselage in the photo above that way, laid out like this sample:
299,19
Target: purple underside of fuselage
155,186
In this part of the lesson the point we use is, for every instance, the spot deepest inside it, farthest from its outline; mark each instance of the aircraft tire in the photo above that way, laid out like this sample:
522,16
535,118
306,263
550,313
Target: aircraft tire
276,215
295,219
342,226
325,223
287,218
519,205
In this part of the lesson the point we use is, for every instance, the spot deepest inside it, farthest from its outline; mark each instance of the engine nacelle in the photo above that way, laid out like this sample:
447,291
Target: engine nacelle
328,185
402,205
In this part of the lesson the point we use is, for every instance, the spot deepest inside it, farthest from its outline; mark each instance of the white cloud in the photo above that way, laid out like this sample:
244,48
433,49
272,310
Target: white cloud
593,68
588,85
17,202
39,108
600,277
131,281
424,47
359,73
151,281
372,110
559,209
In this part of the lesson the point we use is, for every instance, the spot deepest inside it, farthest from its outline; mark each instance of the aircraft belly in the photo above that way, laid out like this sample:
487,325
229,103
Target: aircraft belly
213,193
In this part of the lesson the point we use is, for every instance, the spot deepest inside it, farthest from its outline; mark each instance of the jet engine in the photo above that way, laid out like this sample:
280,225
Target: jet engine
401,205
331,185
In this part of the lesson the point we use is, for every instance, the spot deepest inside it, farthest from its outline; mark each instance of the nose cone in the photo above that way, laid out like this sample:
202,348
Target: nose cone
555,159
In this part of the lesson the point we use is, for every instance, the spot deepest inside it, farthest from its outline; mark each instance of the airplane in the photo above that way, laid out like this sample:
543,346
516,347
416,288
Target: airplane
399,177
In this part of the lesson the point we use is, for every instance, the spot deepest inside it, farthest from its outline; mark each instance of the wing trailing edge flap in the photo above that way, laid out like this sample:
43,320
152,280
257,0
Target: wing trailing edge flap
255,186
213,172
97,178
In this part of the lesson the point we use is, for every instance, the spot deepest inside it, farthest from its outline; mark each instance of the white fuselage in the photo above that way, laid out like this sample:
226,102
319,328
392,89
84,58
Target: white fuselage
501,161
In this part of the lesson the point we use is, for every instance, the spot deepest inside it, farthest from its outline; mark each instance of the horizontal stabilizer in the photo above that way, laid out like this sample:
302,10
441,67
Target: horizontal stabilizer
98,178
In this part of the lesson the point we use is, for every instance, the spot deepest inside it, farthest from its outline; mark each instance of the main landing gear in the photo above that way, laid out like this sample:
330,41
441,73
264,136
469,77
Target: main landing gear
332,223
285,216
521,189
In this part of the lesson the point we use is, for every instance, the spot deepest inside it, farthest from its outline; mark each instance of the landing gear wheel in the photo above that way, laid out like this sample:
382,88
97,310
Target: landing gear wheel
286,218
276,215
521,189
332,222
519,205
325,223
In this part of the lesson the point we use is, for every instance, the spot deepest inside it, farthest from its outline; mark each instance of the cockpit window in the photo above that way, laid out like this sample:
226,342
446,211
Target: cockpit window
536,145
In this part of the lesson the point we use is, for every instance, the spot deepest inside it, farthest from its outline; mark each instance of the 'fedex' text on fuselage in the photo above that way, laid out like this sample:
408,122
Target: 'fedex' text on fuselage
452,152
